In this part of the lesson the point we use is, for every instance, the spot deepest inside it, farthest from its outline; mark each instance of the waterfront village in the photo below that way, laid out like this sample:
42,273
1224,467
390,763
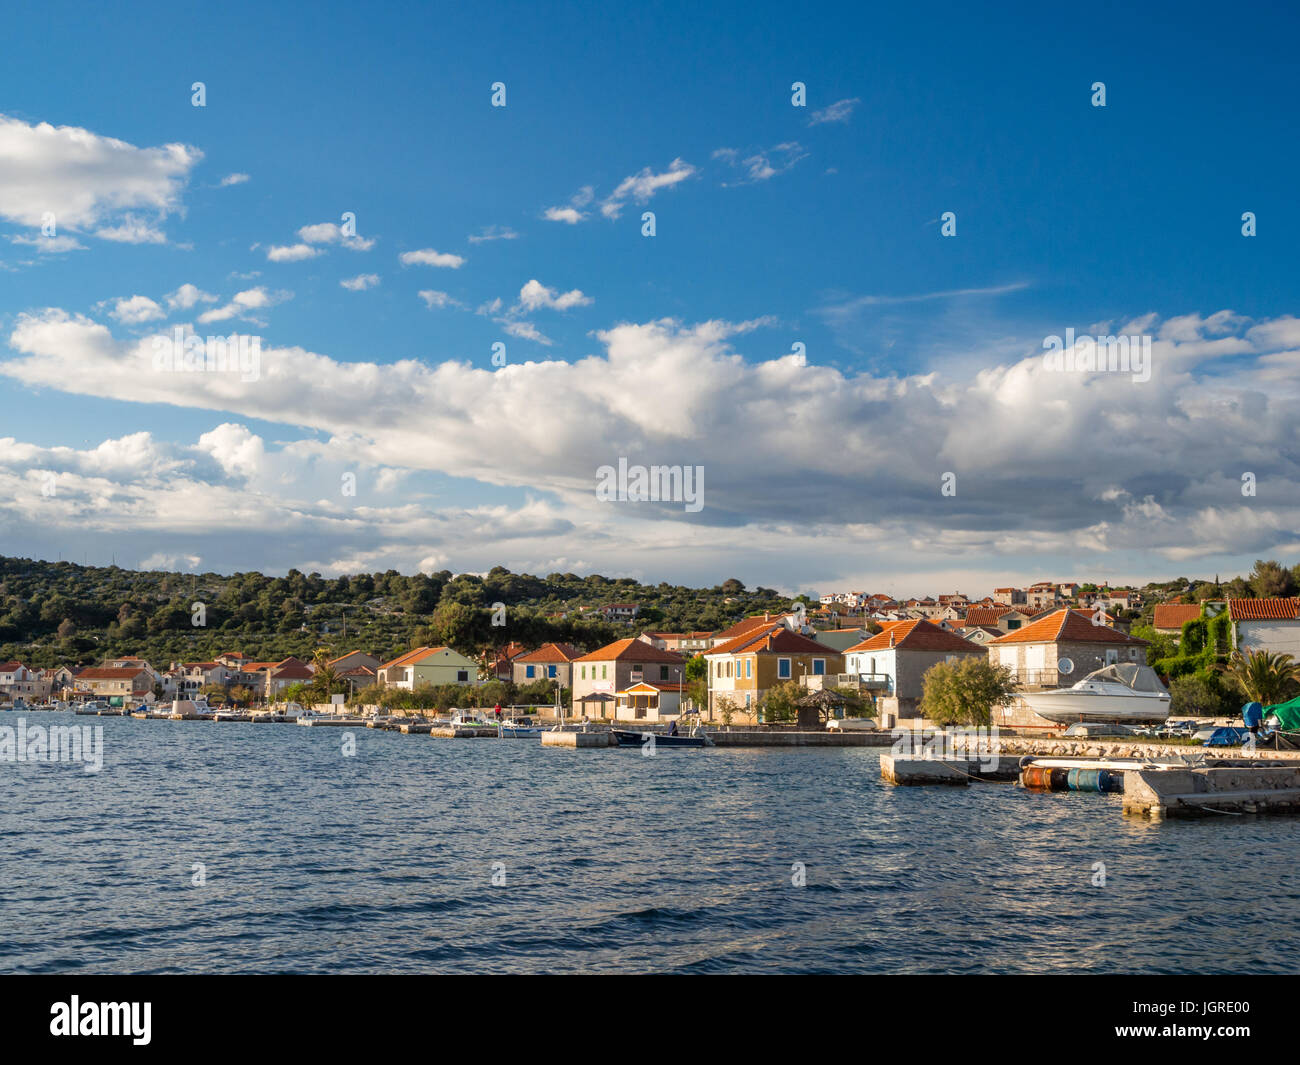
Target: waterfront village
869,654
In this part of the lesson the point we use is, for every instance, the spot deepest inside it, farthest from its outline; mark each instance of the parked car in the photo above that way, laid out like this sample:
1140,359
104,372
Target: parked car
1221,736
850,724
1099,728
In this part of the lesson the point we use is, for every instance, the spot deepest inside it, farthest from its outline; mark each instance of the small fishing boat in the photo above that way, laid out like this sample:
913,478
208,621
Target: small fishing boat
508,728
627,738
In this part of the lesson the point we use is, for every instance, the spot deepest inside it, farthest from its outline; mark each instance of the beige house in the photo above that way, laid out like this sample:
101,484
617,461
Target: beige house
128,683
900,656
742,671
599,677
428,665
551,661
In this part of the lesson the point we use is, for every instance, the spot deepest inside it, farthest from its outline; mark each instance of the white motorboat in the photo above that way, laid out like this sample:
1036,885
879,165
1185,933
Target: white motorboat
506,728
1122,693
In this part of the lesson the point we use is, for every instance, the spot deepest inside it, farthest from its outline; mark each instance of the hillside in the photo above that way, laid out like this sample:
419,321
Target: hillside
56,612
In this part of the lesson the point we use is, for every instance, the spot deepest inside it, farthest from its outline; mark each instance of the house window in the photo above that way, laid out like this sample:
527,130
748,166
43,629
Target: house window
462,676
584,672
1112,657
819,667
663,672
1012,623
783,668
528,672
604,672
552,671
749,668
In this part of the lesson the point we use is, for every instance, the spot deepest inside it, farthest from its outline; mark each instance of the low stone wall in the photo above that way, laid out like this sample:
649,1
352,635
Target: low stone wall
1115,747
793,738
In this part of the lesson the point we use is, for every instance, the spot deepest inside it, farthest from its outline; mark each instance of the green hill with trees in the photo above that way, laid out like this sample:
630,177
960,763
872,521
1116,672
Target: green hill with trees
59,612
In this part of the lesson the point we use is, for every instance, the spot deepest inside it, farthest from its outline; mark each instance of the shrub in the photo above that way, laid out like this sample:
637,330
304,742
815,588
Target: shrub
965,692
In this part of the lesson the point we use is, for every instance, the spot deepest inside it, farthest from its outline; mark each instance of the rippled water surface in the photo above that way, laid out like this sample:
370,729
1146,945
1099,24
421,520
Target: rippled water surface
383,862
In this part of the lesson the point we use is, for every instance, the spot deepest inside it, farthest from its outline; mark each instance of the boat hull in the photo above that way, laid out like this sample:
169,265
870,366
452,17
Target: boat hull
1068,707
637,739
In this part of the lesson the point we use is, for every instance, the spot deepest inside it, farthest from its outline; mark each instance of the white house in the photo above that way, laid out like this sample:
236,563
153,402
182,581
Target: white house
1266,625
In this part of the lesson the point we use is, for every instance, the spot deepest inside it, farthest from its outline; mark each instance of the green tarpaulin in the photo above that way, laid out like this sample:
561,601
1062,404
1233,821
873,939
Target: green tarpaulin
1287,713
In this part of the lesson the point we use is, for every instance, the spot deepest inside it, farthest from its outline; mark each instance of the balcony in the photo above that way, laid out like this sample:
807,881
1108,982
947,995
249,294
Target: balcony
1037,679
872,682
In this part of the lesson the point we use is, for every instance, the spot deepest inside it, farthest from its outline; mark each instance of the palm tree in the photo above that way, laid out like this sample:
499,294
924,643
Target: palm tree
1264,676
327,678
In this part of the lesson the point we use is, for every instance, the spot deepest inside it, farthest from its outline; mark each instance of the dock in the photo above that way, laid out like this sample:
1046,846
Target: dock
954,772
1200,792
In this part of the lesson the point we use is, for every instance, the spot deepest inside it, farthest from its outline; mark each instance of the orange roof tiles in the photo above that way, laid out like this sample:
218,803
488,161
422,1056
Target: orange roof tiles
1175,615
1264,609
918,635
551,652
634,650
1074,626
774,638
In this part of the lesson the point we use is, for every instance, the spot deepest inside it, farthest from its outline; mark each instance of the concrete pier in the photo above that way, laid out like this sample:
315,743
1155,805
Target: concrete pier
951,771
1198,792
793,738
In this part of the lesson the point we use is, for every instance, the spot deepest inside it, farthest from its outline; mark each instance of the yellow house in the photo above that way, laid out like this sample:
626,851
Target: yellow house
428,665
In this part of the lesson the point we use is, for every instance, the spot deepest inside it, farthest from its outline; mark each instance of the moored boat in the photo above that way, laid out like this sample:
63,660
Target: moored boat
628,738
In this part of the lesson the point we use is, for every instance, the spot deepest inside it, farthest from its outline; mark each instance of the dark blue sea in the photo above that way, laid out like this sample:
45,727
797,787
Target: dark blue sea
603,861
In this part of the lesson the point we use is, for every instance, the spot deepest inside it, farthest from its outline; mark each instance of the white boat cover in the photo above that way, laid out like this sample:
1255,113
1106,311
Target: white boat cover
1131,675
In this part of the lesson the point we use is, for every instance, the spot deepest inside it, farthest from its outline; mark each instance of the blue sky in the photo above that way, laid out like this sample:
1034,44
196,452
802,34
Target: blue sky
817,225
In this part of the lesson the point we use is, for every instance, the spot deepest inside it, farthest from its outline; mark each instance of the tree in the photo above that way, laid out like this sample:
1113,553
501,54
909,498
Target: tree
1270,579
1160,644
697,680
1200,695
326,681
1263,676
966,691
779,705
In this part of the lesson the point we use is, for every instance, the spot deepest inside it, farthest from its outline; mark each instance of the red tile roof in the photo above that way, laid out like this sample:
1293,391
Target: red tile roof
1074,626
986,615
411,657
1174,615
551,652
108,673
1264,609
918,635
632,650
747,625
774,638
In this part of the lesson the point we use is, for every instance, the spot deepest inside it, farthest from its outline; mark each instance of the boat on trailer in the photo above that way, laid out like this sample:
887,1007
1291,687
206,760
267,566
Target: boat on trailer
1122,693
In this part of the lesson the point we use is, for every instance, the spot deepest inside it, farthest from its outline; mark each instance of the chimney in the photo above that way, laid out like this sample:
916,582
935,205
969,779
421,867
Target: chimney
891,637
